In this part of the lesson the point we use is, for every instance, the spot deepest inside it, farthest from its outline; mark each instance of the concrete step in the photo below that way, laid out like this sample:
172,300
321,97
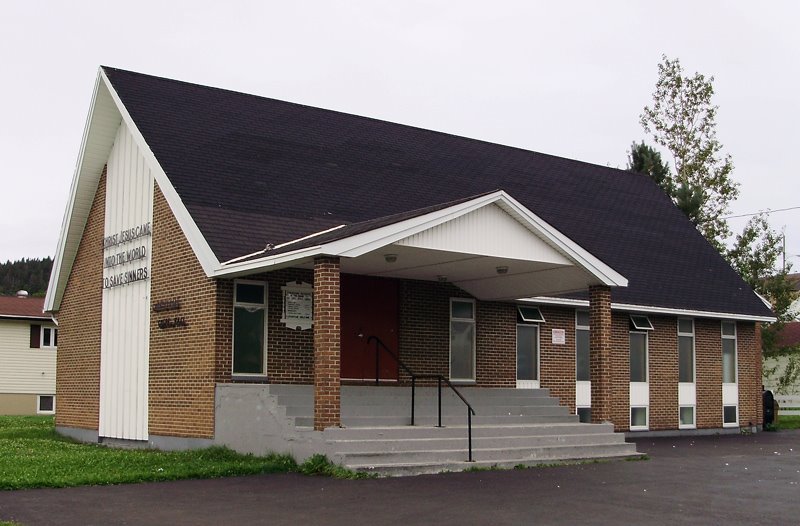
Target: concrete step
349,410
509,443
447,420
421,468
460,431
382,462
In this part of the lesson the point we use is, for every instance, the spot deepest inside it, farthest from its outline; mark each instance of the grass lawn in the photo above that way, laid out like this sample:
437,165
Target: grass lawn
33,455
789,422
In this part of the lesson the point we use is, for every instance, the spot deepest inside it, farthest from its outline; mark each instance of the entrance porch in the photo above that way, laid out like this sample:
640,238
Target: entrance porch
510,427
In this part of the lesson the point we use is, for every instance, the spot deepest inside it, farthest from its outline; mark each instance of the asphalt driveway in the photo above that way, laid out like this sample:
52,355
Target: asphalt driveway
703,480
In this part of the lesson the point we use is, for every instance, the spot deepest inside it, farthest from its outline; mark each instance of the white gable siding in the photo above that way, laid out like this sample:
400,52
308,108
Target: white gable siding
24,370
125,333
488,231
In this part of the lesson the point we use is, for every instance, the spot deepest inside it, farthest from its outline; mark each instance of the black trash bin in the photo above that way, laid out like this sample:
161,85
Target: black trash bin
768,400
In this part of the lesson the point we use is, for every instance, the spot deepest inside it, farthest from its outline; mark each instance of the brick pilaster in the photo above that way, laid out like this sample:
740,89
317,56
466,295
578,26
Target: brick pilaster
600,353
327,343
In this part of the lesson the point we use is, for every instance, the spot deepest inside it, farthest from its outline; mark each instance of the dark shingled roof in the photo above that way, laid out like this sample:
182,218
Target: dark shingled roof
254,171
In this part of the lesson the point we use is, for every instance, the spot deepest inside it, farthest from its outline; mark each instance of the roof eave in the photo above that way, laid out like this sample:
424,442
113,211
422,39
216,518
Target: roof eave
652,309
359,244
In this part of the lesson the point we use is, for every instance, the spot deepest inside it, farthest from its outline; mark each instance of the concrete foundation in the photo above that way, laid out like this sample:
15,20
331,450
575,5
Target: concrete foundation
249,420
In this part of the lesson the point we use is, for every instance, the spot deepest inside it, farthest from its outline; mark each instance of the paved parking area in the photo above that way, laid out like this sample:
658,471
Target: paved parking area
702,480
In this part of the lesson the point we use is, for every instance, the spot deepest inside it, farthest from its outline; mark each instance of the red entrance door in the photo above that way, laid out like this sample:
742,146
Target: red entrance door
369,307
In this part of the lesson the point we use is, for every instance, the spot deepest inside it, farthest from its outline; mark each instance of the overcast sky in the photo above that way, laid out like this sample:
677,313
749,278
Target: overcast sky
565,78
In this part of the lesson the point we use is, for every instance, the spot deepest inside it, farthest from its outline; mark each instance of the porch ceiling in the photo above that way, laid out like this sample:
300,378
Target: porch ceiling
474,273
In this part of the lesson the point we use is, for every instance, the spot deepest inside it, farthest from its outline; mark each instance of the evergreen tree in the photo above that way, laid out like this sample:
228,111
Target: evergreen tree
31,275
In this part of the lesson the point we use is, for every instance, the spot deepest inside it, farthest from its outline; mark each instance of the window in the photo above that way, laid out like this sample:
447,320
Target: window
729,415
45,404
638,343
687,416
640,323
249,327
728,352
49,337
529,314
527,352
582,346
462,339
686,351
639,417
36,336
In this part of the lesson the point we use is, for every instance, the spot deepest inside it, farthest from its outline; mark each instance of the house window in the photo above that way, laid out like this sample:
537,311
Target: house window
45,404
639,418
582,346
249,327
36,336
462,339
640,323
685,350
729,415
728,352
638,342
49,337
529,315
687,393
687,416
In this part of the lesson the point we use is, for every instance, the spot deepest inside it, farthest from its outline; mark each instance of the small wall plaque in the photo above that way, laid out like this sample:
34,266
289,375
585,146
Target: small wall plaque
559,336
298,305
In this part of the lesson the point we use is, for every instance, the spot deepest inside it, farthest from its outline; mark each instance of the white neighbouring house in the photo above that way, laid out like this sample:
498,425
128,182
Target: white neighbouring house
28,343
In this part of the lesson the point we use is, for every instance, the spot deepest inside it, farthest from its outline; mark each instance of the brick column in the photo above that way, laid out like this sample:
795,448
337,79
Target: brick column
600,366
327,344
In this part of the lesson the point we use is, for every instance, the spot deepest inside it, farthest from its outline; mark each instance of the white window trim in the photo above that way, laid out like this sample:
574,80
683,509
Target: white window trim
645,427
694,348
39,404
474,340
646,356
730,424
265,306
646,381
637,328
692,334
693,425
735,338
53,330
538,350
526,321
579,327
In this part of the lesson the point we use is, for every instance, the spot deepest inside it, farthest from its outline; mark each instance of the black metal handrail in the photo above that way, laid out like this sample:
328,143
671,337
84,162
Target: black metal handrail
379,345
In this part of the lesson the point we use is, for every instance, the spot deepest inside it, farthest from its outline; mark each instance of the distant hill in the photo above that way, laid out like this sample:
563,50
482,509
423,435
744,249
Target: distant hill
26,274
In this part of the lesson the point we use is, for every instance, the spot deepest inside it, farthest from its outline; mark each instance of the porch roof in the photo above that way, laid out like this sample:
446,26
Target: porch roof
489,245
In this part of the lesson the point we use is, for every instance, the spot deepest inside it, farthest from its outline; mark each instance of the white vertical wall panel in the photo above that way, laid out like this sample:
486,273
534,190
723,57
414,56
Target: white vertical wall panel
640,394
125,338
488,231
583,393
730,394
687,393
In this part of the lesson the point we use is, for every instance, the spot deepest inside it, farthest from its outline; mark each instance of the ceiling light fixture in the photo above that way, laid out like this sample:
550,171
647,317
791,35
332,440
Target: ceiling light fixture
390,258
502,269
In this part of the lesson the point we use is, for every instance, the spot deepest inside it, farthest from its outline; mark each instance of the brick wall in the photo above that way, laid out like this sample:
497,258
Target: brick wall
290,352
708,360
327,344
557,362
182,359
663,372
80,316
748,337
